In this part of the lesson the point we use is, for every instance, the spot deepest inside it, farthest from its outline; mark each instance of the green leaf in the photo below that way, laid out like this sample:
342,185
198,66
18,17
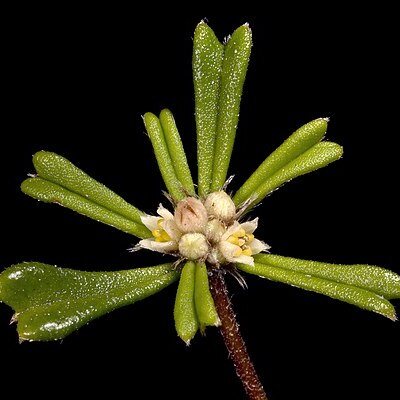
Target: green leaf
205,307
304,138
156,135
186,322
369,277
208,54
49,192
318,156
57,169
51,302
234,68
176,151
341,291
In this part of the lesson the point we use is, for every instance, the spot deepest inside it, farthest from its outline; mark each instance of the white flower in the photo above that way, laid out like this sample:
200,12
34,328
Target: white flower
238,244
166,234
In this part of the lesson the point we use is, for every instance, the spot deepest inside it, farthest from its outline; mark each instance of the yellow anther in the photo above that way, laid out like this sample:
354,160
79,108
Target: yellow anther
234,240
250,237
241,242
247,252
161,235
156,233
164,236
159,222
239,233
238,252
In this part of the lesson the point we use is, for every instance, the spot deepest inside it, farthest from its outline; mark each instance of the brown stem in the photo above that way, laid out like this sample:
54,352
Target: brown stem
233,340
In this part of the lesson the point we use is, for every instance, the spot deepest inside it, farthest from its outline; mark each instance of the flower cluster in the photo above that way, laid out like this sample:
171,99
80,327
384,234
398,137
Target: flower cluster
206,230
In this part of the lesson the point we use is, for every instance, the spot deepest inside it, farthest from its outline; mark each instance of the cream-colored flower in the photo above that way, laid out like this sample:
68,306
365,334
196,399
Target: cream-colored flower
238,243
166,234
195,232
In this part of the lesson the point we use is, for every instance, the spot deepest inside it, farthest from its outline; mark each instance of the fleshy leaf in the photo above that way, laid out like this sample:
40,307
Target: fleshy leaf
350,294
369,277
234,68
57,169
52,302
205,307
186,322
301,140
176,151
50,192
165,164
318,156
208,54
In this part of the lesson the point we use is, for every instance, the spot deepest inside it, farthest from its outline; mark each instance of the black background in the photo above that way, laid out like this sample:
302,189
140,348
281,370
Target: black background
77,83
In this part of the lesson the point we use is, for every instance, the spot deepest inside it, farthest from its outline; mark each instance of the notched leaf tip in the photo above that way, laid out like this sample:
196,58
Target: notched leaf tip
247,26
226,40
394,317
203,21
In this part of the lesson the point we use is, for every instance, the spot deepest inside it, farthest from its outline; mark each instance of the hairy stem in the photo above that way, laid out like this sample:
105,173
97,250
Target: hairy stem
233,340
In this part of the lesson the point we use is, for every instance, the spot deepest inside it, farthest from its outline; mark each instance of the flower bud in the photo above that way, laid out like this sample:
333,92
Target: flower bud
193,246
191,215
214,230
220,205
